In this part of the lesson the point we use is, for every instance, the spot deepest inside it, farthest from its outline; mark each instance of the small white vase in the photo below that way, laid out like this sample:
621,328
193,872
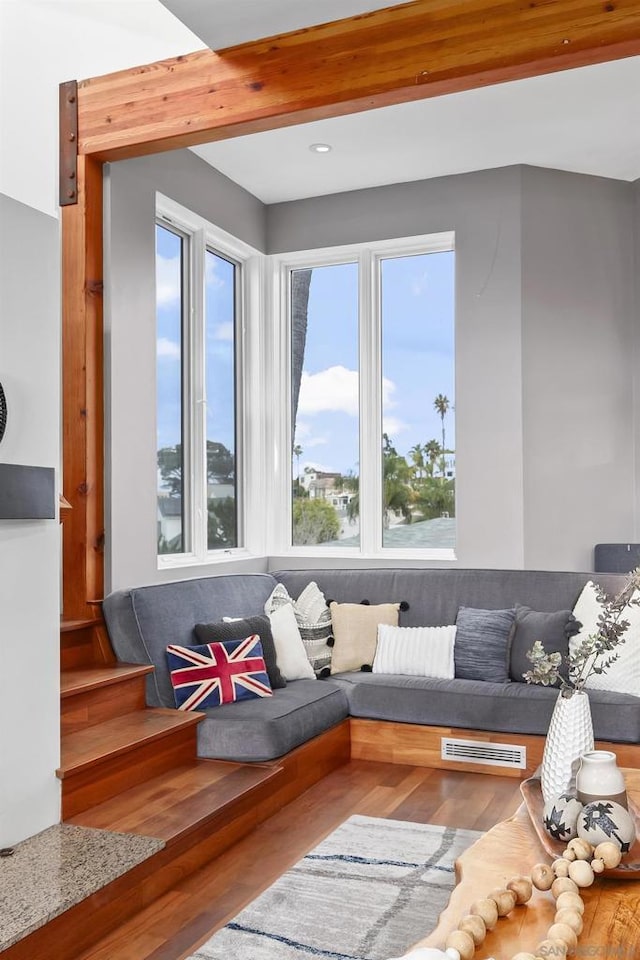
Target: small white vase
600,778
570,736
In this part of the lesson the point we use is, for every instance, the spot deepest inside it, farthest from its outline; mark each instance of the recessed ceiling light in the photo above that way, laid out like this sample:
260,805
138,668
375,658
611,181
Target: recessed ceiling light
321,148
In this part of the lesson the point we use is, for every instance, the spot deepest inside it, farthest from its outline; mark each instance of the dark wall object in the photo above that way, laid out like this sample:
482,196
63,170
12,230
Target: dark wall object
27,493
3,412
616,557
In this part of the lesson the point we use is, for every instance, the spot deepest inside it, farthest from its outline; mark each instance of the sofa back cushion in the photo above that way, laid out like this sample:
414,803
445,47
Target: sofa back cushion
434,595
144,621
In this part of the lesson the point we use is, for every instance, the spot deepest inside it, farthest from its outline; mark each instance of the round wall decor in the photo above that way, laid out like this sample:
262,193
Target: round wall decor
3,412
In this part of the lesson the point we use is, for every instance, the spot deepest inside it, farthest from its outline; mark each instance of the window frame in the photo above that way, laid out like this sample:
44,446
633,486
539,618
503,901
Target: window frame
368,256
203,236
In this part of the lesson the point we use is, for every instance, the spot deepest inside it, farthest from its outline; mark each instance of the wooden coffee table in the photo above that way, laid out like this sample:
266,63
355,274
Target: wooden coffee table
612,906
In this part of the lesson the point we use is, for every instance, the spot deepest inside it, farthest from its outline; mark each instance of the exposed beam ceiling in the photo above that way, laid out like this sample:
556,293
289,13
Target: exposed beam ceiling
410,52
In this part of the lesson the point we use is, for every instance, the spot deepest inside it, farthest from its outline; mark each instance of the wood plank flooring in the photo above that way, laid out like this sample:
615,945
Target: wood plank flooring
174,925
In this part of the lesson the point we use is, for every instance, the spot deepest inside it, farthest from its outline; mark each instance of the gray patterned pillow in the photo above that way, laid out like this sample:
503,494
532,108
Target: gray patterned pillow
314,622
481,650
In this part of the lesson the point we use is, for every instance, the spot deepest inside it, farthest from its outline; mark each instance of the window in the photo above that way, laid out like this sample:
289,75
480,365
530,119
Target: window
201,294
372,431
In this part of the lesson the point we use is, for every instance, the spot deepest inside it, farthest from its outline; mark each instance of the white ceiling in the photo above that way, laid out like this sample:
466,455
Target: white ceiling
583,120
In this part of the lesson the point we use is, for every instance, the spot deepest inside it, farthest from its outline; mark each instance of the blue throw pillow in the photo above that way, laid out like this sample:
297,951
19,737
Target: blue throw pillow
481,649
216,673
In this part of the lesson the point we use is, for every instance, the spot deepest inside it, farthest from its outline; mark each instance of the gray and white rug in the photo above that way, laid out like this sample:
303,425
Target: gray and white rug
369,891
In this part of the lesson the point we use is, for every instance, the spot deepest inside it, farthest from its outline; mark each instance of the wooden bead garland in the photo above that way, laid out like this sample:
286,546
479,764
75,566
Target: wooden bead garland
577,868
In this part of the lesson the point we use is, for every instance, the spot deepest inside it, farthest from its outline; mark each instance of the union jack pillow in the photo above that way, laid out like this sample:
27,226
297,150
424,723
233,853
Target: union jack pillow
216,673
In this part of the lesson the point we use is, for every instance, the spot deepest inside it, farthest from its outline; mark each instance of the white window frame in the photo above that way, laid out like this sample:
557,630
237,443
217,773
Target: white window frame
203,236
368,257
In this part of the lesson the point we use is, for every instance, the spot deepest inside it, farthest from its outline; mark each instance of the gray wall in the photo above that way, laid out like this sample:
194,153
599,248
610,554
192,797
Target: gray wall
29,550
130,337
577,366
544,333
484,210
546,329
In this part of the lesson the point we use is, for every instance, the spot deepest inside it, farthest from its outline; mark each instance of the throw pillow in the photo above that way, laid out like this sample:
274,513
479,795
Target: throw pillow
290,652
481,650
623,676
215,673
314,622
237,630
415,651
552,629
355,631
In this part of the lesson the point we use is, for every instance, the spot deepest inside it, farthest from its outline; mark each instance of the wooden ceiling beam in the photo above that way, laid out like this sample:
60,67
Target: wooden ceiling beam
421,49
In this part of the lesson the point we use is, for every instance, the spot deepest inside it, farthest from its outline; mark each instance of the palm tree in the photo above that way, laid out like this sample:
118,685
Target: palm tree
417,458
442,404
300,283
432,450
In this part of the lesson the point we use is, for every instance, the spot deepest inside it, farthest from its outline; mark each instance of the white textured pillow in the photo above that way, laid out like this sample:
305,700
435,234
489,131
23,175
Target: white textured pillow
623,676
415,651
290,653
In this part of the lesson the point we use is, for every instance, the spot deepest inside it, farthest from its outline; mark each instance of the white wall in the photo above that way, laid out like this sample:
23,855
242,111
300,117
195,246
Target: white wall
29,550
42,43
46,42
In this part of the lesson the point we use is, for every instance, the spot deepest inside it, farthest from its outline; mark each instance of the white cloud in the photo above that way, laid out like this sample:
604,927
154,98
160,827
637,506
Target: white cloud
224,331
392,426
212,277
168,348
316,442
303,430
336,389
167,281
420,285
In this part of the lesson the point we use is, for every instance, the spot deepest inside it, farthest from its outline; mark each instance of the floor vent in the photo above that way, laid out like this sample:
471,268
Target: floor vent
483,752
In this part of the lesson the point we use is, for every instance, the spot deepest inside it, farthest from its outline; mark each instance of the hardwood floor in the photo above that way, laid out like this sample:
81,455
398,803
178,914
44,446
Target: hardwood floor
180,920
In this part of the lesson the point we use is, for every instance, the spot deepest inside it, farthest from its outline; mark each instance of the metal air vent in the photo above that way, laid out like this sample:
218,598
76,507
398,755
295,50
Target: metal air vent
483,752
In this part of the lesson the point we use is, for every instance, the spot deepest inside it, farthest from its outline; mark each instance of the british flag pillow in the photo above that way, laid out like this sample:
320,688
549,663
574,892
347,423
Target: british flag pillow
216,673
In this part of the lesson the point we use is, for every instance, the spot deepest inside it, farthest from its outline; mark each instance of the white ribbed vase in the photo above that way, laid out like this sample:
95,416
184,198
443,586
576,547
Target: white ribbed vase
570,735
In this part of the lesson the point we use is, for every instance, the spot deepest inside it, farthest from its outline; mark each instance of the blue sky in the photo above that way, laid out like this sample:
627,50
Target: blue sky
417,351
417,358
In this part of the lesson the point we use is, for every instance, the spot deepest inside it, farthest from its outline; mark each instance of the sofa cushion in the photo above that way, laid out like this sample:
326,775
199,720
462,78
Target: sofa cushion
211,674
481,649
553,631
244,627
481,705
623,676
355,632
415,651
259,730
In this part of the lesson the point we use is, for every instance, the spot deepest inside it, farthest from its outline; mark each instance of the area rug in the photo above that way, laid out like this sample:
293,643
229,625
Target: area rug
369,891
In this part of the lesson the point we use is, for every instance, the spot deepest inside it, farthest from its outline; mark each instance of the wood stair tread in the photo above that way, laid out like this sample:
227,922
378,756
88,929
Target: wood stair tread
68,626
81,679
120,735
178,801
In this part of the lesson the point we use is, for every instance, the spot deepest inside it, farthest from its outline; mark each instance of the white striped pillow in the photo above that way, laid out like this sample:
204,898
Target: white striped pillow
415,651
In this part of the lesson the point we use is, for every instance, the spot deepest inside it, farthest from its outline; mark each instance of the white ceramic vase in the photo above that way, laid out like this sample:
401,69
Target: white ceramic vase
570,735
600,778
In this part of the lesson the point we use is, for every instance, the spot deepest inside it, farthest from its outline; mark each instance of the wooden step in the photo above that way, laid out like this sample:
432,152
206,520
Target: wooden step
83,643
94,694
175,803
100,761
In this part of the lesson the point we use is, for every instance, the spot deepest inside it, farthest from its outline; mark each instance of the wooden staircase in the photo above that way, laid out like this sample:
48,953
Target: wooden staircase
130,768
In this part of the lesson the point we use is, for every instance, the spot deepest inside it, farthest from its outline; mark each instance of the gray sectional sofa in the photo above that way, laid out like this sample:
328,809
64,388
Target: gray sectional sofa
144,620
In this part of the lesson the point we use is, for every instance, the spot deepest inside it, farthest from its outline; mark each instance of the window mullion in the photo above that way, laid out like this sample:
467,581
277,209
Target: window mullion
198,400
370,407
